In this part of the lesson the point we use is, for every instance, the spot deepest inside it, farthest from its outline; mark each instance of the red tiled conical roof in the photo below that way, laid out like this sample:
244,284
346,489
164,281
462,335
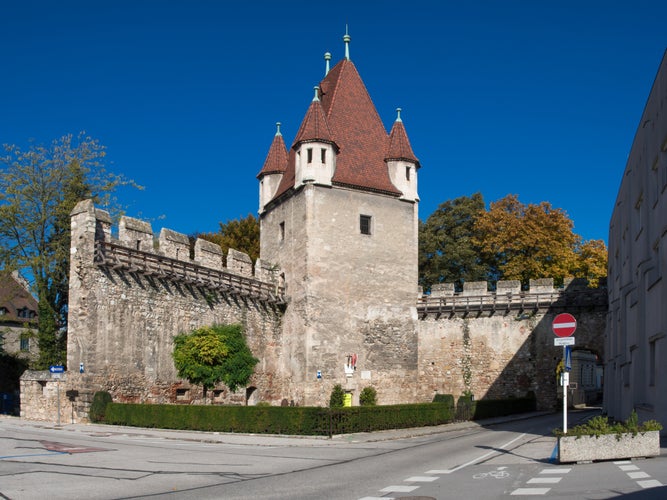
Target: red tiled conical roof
399,144
314,126
276,159
358,130
347,117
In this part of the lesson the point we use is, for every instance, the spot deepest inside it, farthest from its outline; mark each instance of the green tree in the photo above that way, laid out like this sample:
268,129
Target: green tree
337,398
447,248
38,189
214,354
526,241
241,235
368,396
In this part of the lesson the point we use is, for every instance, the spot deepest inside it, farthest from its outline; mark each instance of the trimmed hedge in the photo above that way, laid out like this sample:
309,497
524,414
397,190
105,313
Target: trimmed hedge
304,420
279,419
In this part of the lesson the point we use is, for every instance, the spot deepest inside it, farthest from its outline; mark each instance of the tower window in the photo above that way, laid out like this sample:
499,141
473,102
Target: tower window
282,231
365,224
323,155
310,155
25,343
407,173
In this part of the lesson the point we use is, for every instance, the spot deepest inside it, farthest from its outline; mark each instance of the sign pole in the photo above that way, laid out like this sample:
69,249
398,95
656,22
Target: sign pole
563,326
565,384
58,395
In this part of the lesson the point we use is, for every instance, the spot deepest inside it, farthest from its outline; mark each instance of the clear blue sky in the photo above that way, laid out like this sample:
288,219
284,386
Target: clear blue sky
540,99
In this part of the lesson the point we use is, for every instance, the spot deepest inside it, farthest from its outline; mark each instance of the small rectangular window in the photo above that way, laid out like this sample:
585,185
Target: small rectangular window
310,155
323,155
25,343
365,224
407,173
282,231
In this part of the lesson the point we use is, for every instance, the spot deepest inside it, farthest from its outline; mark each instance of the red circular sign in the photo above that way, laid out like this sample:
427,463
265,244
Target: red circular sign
564,325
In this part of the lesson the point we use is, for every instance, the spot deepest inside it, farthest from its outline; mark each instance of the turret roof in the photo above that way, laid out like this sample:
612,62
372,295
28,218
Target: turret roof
276,159
399,144
314,126
345,115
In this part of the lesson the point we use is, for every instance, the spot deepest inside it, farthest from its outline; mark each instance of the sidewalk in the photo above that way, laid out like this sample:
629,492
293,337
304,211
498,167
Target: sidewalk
267,439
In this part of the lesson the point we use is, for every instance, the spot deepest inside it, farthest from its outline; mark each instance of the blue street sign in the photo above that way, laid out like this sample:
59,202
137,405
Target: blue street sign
56,368
568,358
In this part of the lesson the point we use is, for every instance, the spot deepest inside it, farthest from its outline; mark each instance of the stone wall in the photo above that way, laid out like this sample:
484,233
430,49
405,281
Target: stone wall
500,344
129,296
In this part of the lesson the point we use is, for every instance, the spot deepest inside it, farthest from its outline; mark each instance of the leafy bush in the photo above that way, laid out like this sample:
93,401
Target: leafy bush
99,406
368,396
337,398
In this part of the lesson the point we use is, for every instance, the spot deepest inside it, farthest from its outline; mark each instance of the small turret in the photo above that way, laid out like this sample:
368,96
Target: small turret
401,161
315,148
273,170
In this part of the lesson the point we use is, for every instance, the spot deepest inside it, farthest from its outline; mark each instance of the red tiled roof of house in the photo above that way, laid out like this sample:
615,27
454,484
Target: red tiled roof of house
399,144
355,127
14,297
276,159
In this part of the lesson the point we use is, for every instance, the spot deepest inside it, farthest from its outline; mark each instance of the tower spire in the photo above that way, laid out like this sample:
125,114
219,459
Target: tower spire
317,93
346,39
398,115
278,128
327,58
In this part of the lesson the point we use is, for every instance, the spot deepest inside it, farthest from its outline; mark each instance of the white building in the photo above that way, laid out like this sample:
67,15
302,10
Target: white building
636,348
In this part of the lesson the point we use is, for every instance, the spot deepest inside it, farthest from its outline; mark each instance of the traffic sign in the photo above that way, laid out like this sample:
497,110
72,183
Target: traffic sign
56,368
568,358
564,325
561,341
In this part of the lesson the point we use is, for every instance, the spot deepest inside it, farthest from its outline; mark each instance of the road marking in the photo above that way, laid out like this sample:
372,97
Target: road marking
555,471
421,479
377,498
638,475
530,491
474,461
626,465
399,488
544,480
651,483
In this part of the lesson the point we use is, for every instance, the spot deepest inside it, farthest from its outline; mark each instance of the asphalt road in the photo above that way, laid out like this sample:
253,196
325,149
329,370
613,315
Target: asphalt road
499,459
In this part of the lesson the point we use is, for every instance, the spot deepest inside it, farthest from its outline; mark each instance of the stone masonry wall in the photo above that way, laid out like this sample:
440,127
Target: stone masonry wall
500,346
128,300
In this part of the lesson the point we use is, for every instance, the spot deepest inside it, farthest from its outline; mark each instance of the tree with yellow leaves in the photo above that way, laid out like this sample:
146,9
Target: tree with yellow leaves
520,242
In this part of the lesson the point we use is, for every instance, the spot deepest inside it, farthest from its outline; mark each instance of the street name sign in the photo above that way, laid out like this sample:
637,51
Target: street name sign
564,325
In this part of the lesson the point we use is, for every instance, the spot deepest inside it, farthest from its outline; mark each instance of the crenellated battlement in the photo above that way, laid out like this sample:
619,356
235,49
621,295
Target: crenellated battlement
478,297
171,257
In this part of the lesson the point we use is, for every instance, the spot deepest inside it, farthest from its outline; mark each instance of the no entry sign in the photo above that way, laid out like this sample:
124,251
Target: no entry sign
564,325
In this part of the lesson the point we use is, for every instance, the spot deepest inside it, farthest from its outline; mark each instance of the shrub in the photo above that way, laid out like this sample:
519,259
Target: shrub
98,408
337,399
368,396
600,425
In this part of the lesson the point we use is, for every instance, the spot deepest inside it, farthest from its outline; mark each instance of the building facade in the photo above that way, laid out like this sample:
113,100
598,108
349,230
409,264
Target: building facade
339,216
636,348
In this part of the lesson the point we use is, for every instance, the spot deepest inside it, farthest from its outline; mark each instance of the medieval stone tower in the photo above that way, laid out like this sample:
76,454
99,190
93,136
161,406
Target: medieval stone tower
339,216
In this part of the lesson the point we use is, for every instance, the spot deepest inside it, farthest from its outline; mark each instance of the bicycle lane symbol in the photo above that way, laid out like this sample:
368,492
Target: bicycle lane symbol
499,473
